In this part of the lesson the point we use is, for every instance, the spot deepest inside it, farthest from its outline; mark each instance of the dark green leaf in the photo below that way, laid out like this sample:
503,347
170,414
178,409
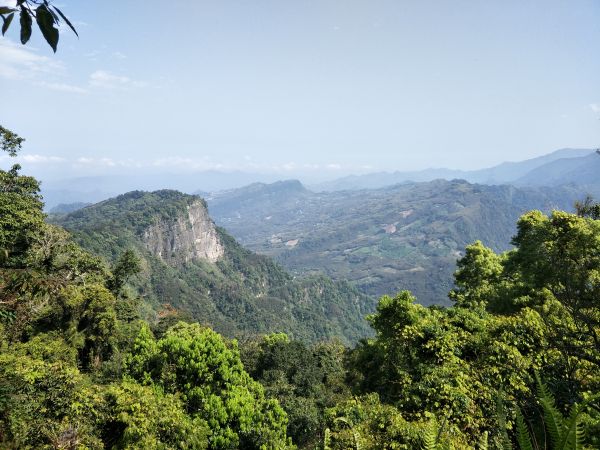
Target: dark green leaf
7,22
56,20
46,23
25,25
6,10
65,19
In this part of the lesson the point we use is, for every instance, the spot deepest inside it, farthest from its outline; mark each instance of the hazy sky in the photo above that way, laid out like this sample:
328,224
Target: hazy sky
321,86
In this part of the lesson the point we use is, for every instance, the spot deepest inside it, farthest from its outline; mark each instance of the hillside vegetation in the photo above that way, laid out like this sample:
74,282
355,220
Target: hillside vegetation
385,240
237,292
514,363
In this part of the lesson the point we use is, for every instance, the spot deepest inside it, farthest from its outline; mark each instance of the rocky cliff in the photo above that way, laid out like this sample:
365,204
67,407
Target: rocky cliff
241,294
190,236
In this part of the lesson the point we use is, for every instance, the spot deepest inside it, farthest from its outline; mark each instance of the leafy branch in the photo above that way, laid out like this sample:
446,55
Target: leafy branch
47,16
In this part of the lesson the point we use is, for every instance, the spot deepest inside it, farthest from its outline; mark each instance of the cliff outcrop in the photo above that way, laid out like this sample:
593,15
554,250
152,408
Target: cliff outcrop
191,236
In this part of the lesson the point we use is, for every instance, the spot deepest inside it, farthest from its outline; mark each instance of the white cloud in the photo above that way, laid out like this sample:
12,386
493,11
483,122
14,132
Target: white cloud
185,164
40,159
22,63
96,162
595,107
190,163
32,158
107,80
92,55
63,87
119,55
19,62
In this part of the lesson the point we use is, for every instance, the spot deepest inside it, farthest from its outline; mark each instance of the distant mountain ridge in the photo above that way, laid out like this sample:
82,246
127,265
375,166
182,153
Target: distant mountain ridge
583,171
504,173
93,189
66,208
201,270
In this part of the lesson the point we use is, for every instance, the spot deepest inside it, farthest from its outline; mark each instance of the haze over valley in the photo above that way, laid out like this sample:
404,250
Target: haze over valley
382,232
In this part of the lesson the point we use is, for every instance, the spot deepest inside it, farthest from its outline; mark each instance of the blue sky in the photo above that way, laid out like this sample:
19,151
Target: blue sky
320,87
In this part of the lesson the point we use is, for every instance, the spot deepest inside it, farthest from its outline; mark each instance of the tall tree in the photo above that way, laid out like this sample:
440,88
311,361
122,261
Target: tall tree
21,214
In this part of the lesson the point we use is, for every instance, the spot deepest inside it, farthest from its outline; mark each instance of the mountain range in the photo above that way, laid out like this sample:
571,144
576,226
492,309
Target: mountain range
522,173
92,189
406,236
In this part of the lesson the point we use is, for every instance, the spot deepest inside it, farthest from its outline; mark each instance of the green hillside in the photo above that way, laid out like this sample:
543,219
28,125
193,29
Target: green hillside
382,240
238,294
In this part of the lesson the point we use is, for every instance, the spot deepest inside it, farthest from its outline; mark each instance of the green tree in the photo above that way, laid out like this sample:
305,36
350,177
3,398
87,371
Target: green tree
45,401
214,386
143,417
558,260
305,379
21,214
477,277
127,265
366,423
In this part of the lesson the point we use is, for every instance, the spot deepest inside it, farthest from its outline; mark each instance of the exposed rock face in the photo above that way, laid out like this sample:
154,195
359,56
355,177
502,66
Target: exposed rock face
191,236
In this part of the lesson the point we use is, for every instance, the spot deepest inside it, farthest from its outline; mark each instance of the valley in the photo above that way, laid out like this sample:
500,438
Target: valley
406,236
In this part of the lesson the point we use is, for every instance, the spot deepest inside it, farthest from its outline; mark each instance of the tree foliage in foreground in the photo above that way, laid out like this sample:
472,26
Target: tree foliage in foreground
79,368
533,309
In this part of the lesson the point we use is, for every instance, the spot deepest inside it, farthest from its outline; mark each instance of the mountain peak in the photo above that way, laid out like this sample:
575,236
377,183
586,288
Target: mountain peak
173,226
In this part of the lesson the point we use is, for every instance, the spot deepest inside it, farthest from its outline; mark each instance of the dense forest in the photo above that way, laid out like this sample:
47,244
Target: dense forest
188,263
513,363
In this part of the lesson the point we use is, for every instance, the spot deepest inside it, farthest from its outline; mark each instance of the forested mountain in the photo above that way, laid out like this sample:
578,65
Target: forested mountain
382,240
200,270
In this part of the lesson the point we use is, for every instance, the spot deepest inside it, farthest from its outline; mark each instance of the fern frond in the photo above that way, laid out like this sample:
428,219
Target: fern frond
552,416
327,439
571,431
523,435
430,436
579,436
483,442
501,416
